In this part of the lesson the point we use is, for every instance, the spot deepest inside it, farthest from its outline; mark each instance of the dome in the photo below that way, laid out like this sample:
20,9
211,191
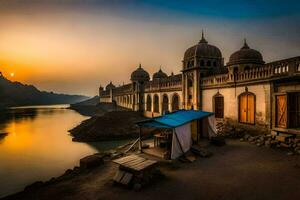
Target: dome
246,55
160,74
203,50
110,86
140,74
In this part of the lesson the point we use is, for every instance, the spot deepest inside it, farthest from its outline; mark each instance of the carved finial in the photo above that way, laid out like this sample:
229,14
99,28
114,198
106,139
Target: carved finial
140,65
245,44
203,40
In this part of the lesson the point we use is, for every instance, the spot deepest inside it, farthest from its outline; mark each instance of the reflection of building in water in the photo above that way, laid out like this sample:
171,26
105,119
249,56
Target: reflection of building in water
247,92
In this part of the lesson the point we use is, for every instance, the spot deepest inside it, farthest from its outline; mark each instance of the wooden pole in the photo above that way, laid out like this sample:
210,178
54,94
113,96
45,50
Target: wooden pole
140,140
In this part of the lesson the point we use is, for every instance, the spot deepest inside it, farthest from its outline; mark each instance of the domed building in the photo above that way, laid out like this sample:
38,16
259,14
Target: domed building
246,94
110,86
140,75
202,55
159,75
245,58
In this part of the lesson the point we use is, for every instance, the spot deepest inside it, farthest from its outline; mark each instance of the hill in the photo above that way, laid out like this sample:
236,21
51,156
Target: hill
18,94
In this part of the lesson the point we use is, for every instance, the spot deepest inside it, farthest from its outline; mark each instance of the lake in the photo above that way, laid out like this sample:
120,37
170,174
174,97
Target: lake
38,145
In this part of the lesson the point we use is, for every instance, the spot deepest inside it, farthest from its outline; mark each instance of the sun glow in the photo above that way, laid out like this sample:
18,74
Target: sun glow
12,74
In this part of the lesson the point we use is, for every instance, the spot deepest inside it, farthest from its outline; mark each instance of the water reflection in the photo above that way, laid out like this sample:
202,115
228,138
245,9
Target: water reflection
38,145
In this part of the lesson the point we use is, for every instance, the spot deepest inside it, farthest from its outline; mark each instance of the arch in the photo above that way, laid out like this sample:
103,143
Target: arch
165,104
214,63
246,107
190,82
175,102
218,102
156,103
208,63
201,63
148,103
246,68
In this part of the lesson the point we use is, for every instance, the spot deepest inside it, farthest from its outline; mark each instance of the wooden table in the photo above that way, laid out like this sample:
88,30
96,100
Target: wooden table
132,166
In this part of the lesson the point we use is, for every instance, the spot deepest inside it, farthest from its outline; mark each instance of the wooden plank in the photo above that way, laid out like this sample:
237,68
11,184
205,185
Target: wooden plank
119,175
134,162
144,165
250,117
243,108
126,178
125,159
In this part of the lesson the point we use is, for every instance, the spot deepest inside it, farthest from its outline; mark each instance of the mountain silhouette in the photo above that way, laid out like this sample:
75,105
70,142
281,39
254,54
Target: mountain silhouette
18,94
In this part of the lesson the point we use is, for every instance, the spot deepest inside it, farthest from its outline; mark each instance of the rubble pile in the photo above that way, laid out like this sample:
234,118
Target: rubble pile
283,141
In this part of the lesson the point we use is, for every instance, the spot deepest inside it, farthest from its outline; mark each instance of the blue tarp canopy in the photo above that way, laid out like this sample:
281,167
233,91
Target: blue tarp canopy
175,119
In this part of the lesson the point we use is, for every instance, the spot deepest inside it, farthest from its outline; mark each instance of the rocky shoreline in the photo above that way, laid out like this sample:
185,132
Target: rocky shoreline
87,164
113,125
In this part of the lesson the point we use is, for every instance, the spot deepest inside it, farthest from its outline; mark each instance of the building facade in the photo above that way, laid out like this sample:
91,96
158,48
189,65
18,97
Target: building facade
246,92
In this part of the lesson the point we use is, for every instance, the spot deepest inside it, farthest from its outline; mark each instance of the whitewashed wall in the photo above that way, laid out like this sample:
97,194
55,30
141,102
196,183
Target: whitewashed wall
262,95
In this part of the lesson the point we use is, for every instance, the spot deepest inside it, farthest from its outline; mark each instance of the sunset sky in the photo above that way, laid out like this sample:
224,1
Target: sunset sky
73,46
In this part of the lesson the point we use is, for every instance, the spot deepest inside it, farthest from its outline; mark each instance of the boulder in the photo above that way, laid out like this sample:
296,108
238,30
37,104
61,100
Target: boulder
91,161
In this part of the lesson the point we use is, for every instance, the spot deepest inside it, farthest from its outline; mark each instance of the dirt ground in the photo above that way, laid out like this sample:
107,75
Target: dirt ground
235,171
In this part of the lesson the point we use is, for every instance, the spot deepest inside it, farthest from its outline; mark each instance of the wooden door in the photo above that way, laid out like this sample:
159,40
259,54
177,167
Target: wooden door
281,114
219,107
243,108
250,109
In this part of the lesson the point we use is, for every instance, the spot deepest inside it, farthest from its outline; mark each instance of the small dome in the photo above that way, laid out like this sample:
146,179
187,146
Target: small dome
203,50
140,74
246,55
110,86
160,74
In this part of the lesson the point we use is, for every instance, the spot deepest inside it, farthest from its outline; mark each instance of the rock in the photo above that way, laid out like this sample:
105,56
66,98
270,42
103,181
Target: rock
290,153
246,136
258,144
280,138
284,145
273,133
273,142
242,139
90,162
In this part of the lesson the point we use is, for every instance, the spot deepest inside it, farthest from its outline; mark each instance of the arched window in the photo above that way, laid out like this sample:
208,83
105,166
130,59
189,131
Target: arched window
247,108
208,63
219,105
175,102
156,104
148,108
165,105
190,82
201,63
214,63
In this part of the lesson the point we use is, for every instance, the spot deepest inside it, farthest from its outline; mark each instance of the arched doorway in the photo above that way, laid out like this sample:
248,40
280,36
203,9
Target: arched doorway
156,104
175,102
165,104
219,105
148,103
